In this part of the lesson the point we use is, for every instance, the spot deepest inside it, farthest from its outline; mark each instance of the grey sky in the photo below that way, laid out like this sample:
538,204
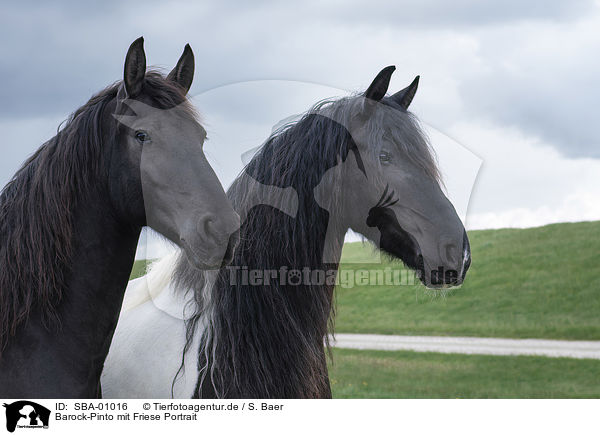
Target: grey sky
54,56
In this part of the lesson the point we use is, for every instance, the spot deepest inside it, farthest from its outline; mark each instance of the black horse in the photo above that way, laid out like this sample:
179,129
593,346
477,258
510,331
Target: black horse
71,217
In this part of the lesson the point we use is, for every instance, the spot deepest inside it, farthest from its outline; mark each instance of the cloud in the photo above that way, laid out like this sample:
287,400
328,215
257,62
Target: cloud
573,208
468,13
60,54
541,78
525,182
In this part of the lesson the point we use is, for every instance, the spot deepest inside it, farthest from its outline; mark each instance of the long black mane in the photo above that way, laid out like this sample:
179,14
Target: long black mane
36,206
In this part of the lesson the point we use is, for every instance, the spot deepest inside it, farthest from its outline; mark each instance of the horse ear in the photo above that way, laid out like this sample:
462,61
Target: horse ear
183,73
376,91
135,68
406,95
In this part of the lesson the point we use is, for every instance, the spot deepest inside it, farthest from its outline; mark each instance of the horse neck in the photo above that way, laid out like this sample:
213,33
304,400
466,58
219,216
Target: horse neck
103,256
66,360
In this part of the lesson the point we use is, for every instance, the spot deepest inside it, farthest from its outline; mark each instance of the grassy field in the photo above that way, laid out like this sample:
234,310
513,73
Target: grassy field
382,374
538,282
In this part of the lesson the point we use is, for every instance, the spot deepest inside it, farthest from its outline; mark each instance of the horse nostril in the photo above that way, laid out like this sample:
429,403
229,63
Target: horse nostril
218,230
206,227
450,254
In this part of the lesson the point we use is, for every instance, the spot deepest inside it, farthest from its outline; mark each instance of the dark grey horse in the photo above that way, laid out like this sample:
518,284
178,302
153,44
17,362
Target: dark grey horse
359,162
71,217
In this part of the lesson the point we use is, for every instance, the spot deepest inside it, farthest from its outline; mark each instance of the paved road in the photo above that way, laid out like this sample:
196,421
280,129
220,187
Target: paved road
471,345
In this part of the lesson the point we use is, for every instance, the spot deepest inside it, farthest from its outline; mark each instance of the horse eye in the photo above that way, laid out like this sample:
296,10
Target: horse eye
384,156
142,136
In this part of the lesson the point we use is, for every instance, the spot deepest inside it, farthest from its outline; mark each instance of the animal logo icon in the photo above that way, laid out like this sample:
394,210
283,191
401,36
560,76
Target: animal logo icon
26,414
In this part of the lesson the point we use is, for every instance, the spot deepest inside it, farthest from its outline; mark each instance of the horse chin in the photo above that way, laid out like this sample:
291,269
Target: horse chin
199,261
202,261
399,244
